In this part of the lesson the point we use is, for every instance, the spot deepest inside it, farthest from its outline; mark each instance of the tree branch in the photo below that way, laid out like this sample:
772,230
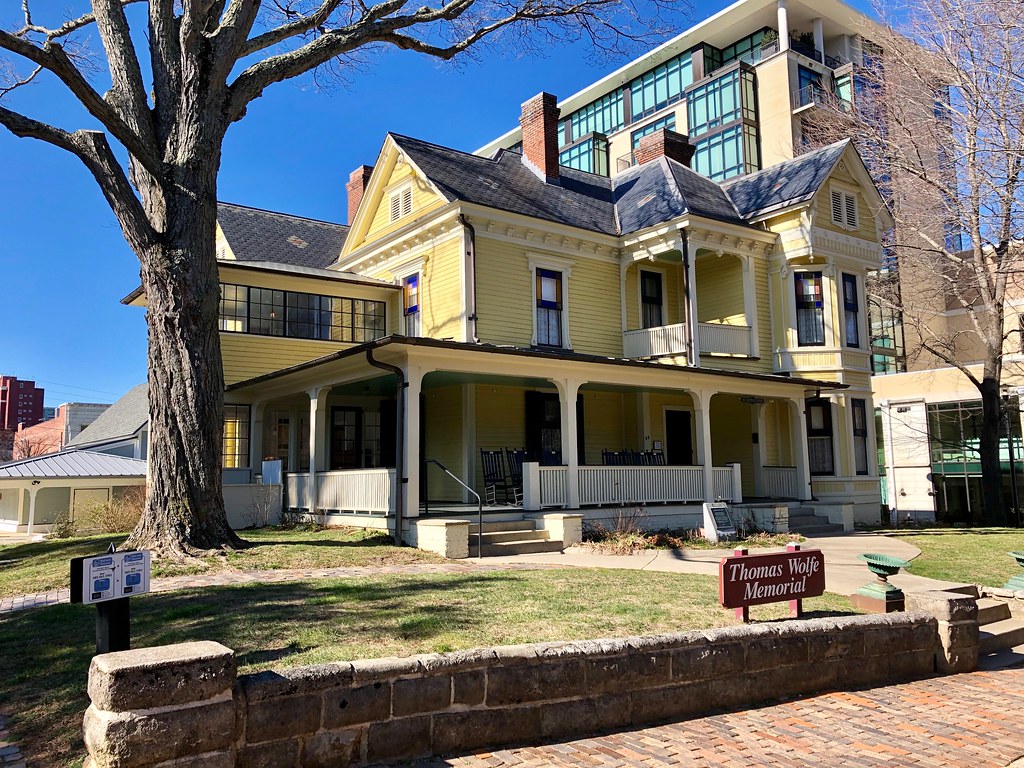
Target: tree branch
64,29
92,149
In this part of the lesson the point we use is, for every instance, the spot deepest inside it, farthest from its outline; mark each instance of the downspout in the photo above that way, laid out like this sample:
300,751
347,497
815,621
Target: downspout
471,261
401,479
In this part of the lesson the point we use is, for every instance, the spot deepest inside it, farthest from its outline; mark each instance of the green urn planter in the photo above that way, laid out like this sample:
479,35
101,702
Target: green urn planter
880,596
1017,582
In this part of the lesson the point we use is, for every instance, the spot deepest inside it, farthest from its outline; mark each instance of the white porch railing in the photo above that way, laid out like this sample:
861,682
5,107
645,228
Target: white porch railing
601,486
349,490
553,486
779,483
724,339
651,342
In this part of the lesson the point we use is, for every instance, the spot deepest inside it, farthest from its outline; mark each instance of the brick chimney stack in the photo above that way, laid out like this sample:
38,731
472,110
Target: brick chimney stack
665,143
539,121
356,186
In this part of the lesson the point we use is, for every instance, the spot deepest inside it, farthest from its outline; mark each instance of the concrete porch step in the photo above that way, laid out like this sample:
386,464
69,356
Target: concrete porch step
991,611
817,530
502,525
509,548
1000,635
500,537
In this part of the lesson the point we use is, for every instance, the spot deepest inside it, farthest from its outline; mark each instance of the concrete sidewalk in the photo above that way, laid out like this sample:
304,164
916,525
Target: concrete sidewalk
844,573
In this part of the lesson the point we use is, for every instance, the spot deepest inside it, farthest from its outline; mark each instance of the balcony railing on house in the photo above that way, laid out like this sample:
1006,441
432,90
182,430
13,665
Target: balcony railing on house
779,483
655,342
723,339
364,491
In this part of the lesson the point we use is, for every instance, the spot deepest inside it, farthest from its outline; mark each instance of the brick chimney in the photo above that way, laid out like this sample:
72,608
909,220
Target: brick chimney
665,143
539,122
356,186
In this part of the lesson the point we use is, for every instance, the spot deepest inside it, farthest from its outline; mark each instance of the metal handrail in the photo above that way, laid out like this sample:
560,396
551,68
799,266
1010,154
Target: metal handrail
479,507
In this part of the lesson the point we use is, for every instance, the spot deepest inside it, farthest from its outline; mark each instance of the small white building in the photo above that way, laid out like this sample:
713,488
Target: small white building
33,492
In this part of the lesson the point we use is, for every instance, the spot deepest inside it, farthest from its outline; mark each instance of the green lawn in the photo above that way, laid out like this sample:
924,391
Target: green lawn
971,555
44,653
42,566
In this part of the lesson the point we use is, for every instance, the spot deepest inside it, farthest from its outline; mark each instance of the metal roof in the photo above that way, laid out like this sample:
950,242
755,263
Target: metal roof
73,464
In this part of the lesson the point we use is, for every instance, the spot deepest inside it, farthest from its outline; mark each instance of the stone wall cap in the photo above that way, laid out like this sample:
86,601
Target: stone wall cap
560,516
296,680
159,656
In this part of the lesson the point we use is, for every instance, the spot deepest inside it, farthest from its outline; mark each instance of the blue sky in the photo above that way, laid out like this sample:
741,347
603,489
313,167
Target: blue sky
64,266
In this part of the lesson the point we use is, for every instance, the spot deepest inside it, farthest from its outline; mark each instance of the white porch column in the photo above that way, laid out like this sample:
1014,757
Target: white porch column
257,413
568,389
705,457
783,19
317,439
468,440
802,461
691,305
412,461
750,304
33,489
819,37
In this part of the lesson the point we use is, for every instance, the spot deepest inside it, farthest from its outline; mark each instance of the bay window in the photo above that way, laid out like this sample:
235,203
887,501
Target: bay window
810,312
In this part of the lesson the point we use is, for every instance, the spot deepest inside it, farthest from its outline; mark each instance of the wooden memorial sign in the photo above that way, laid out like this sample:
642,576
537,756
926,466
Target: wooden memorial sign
745,580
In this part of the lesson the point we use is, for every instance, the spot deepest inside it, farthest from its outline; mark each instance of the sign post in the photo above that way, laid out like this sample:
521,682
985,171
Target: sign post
745,580
108,580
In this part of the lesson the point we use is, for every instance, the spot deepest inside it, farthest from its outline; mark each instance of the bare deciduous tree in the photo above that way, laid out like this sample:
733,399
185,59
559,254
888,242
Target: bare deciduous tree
206,61
938,115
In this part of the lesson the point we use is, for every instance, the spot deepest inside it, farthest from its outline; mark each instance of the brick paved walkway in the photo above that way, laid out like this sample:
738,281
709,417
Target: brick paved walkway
10,755
231,576
967,720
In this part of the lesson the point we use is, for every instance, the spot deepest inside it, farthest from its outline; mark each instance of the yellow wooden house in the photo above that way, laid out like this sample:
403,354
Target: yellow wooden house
651,338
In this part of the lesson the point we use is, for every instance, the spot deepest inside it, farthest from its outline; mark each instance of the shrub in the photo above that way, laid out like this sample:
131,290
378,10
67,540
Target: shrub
63,526
119,514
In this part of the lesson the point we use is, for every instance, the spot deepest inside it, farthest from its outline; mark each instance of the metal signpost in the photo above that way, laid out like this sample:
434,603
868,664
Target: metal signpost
108,580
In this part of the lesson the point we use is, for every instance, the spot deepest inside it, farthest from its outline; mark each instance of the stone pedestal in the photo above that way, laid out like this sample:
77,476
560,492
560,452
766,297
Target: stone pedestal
879,598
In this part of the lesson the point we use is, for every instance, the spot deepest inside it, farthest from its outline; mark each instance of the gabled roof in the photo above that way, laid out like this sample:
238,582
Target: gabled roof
267,236
641,197
121,421
788,183
580,199
73,464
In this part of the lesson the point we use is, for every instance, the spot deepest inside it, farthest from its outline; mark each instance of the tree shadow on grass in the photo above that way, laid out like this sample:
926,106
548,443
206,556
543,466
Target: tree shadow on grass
915,532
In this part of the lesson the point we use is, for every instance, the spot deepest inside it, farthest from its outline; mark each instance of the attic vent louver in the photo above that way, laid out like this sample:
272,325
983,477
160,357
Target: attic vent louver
297,241
644,200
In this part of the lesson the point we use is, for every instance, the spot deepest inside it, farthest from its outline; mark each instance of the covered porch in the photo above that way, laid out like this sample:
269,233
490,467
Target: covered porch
359,432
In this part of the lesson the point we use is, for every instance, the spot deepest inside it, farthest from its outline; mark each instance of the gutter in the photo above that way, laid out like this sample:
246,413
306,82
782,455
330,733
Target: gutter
471,259
400,474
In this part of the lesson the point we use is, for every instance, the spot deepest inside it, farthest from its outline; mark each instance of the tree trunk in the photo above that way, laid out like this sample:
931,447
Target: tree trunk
184,512
993,505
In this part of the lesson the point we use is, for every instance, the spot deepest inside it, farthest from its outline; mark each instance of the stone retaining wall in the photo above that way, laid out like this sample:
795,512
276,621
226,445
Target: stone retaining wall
182,705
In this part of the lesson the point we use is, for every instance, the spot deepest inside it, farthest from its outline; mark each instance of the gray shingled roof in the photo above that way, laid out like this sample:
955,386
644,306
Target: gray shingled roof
580,199
120,421
256,235
794,181
640,197
73,464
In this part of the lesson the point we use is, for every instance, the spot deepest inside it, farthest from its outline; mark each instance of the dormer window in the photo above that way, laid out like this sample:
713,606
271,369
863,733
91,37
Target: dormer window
400,203
844,208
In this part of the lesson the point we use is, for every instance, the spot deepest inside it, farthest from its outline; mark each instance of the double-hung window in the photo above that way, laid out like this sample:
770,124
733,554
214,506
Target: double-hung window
859,412
851,310
549,308
651,300
411,300
819,437
810,313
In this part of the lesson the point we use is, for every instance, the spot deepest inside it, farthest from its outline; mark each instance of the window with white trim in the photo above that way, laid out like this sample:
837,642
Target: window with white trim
844,208
859,414
549,308
810,309
851,310
411,304
400,203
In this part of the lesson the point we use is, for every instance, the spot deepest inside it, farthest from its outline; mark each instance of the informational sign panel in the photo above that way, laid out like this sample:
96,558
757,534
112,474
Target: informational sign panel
110,576
770,578
718,522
